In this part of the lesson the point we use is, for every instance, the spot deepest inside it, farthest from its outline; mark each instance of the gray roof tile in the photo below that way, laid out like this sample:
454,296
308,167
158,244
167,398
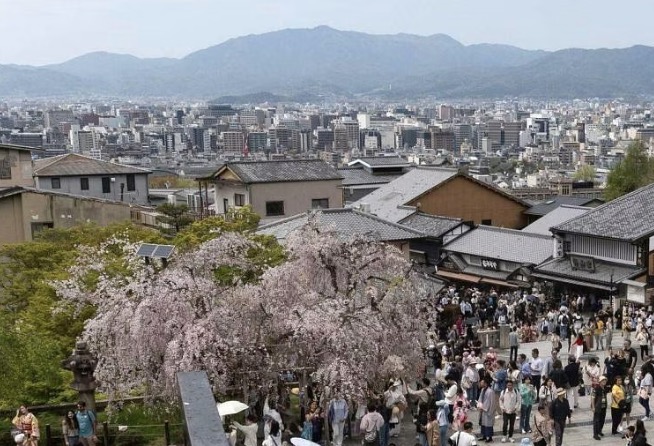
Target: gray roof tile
626,218
356,177
73,164
505,244
385,202
346,222
432,225
545,207
556,217
283,171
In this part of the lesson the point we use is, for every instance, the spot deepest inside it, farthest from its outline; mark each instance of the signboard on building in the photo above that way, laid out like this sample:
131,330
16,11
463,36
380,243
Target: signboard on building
490,264
636,291
582,263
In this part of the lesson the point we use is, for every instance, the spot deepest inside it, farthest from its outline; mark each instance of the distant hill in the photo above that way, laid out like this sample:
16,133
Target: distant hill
309,63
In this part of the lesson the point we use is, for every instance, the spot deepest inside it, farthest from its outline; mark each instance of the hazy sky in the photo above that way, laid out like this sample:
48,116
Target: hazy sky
49,31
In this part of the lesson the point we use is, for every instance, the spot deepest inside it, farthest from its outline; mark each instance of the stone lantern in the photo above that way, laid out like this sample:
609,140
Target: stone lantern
82,363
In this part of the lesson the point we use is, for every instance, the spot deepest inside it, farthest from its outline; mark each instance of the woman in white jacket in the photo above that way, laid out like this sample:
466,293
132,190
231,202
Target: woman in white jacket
591,373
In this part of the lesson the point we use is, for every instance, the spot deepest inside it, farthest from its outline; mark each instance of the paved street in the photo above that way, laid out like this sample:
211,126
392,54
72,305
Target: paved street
579,432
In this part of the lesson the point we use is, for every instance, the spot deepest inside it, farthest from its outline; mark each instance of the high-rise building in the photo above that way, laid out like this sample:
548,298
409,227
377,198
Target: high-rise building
511,133
462,132
324,138
233,142
446,112
26,139
257,141
442,140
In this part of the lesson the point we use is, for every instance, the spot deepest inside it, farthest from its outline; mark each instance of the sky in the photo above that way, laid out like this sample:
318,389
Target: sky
39,32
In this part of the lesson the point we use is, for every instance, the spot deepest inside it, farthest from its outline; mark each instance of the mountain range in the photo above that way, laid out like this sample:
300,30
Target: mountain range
325,61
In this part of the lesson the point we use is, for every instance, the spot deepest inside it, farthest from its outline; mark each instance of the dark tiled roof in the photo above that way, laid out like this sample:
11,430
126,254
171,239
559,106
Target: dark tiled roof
19,147
629,217
73,164
432,225
356,177
283,171
504,244
346,222
602,274
545,207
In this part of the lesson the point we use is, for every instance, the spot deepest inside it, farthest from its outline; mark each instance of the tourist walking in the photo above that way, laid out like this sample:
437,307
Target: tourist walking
644,393
337,414
250,429
542,430
514,343
464,437
28,425
642,338
527,400
591,374
617,404
432,429
371,426
70,429
510,403
560,412
470,382
87,422
486,406
443,417
599,334
598,405
536,367
639,438
572,373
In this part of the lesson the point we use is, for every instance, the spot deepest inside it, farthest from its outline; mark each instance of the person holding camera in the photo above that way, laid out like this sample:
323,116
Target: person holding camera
28,425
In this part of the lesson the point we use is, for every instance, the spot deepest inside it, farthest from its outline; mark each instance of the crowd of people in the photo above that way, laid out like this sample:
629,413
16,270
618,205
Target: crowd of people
469,389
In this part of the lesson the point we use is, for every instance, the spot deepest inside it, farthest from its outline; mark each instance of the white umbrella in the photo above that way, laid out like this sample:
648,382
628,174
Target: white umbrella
231,408
297,441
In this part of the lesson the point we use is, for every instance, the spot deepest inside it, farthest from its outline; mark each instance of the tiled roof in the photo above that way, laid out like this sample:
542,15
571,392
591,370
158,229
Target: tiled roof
504,244
73,164
380,161
283,171
357,176
432,225
626,218
346,222
556,217
602,273
19,147
385,202
545,207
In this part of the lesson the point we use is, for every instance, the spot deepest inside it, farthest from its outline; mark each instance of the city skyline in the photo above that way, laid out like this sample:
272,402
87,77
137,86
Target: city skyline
175,28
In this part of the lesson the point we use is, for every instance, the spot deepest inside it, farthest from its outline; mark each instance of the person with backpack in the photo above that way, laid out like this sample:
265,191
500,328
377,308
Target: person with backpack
371,425
510,403
87,423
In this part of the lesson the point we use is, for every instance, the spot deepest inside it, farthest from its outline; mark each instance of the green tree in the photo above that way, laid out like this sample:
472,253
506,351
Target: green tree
34,338
585,173
241,219
634,171
174,216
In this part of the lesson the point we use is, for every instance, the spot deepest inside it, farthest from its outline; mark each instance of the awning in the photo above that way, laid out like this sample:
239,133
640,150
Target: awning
499,283
458,276
571,281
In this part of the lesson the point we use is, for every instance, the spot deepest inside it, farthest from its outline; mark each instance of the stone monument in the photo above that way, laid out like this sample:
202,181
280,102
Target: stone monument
82,363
